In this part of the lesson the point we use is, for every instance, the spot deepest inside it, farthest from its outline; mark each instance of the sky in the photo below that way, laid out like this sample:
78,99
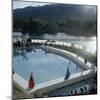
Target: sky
21,4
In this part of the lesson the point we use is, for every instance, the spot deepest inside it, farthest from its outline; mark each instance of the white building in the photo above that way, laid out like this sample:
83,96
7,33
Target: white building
17,36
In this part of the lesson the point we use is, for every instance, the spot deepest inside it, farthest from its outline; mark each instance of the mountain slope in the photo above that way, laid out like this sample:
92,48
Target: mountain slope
57,12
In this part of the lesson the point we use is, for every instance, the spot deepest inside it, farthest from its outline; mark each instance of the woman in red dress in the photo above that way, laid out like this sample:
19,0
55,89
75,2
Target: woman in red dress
31,81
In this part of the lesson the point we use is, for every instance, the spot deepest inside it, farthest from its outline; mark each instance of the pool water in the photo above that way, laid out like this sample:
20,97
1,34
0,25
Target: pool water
45,66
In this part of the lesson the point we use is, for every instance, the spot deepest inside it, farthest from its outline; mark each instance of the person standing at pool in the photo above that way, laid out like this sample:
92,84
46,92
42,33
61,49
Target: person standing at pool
67,73
85,60
31,81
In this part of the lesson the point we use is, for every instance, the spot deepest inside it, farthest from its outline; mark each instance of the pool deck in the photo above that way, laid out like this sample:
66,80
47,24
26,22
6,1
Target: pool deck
46,87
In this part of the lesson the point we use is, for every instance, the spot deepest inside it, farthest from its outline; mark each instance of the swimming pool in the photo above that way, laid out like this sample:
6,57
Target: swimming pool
45,65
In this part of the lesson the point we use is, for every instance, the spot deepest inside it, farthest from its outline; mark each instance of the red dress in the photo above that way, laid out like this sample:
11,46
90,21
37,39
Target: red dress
31,82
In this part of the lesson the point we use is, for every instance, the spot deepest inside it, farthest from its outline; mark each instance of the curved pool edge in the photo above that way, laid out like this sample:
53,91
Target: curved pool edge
70,55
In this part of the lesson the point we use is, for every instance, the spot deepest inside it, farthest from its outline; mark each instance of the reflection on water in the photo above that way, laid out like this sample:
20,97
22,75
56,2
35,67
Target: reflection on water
45,66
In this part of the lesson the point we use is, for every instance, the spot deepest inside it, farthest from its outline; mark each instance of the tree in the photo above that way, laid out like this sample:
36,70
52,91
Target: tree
52,27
